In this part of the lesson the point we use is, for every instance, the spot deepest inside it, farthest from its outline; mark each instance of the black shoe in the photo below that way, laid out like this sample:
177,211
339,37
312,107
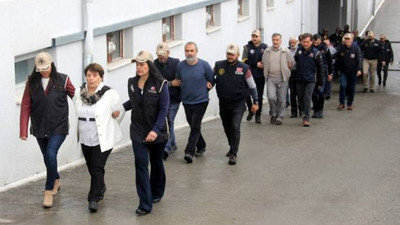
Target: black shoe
372,91
258,119
327,97
294,115
174,148
278,122
199,152
272,120
250,116
188,158
155,200
365,90
102,192
140,212
165,155
379,83
320,115
315,115
229,153
232,159
93,206
384,83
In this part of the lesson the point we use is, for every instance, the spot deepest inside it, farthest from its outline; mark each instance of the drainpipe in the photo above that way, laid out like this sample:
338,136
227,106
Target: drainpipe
260,20
302,17
88,43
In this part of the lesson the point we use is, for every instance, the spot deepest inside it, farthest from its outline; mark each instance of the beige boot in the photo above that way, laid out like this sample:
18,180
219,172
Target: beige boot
48,199
56,187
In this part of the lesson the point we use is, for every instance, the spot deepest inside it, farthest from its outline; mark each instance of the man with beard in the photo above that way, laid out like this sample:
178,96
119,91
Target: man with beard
197,78
233,81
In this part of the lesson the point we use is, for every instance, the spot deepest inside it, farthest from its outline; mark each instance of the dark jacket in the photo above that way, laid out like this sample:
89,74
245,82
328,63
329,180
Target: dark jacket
309,66
145,109
387,51
49,110
168,71
372,50
348,60
252,55
231,82
326,55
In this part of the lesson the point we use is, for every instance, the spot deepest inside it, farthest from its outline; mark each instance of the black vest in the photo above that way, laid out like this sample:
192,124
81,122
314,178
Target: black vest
168,71
255,55
145,108
231,82
49,113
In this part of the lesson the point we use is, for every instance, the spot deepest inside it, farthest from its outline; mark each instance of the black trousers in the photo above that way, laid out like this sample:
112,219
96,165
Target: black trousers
194,116
231,116
385,69
95,162
294,102
260,84
151,185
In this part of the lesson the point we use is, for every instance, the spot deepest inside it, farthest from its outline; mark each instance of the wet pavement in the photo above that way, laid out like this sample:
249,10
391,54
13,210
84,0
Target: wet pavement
343,170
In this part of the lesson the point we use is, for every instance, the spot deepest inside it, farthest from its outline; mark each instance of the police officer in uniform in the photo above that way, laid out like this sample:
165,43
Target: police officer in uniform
149,101
388,56
252,56
233,81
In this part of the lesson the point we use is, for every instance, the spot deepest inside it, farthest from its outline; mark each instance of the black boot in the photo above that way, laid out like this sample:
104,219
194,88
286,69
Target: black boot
258,119
250,116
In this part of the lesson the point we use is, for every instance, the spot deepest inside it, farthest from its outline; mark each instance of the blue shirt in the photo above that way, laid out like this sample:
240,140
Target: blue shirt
194,81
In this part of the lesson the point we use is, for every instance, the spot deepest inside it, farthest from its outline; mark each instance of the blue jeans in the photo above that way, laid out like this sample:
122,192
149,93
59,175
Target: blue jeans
49,147
347,82
173,110
151,186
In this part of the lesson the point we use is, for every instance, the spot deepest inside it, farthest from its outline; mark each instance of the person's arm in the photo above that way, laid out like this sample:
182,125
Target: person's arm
359,61
253,90
25,114
391,53
69,87
127,105
245,54
163,105
209,74
320,69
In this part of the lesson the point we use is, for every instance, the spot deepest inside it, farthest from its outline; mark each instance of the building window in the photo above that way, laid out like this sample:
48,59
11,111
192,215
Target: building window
213,17
168,29
243,8
210,16
270,4
115,43
289,1
23,69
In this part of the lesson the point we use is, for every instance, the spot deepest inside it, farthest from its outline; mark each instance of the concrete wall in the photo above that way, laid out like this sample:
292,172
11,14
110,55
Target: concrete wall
29,27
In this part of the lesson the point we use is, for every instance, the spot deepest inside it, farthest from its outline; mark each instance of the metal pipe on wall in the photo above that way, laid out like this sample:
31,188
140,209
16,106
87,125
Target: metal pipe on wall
88,42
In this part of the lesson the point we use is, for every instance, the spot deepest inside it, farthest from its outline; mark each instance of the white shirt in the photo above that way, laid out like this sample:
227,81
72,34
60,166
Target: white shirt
87,129
45,82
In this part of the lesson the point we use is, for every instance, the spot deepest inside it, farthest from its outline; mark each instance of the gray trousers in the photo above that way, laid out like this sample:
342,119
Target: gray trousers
305,90
276,93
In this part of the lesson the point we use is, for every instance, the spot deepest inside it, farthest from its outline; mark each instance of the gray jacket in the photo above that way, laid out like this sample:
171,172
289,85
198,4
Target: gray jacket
286,58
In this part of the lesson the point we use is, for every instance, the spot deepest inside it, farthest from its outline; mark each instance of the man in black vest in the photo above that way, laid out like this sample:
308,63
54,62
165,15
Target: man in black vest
252,56
233,81
167,66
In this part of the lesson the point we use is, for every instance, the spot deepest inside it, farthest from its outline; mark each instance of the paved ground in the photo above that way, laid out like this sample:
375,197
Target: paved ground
343,170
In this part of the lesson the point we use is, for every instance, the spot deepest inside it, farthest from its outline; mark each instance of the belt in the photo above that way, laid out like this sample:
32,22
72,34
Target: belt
86,119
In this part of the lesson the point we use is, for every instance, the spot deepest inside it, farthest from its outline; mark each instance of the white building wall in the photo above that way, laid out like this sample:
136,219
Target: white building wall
29,27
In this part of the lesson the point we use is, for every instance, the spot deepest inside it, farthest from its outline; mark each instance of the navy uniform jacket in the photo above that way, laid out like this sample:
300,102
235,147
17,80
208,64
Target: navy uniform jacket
348,59
309,66
372,50
253,56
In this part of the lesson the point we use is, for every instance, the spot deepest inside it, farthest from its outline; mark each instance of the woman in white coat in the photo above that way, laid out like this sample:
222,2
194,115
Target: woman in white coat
97,110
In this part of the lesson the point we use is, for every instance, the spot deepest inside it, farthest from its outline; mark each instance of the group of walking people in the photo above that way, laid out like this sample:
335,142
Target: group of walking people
305,68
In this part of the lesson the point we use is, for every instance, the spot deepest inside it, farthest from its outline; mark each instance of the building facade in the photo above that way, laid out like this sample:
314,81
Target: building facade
77,32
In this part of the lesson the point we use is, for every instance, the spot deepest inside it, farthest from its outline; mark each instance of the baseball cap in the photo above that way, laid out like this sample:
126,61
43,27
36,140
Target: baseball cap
370,34
43,61
256,32
232,49
348,35
143,56
162,48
